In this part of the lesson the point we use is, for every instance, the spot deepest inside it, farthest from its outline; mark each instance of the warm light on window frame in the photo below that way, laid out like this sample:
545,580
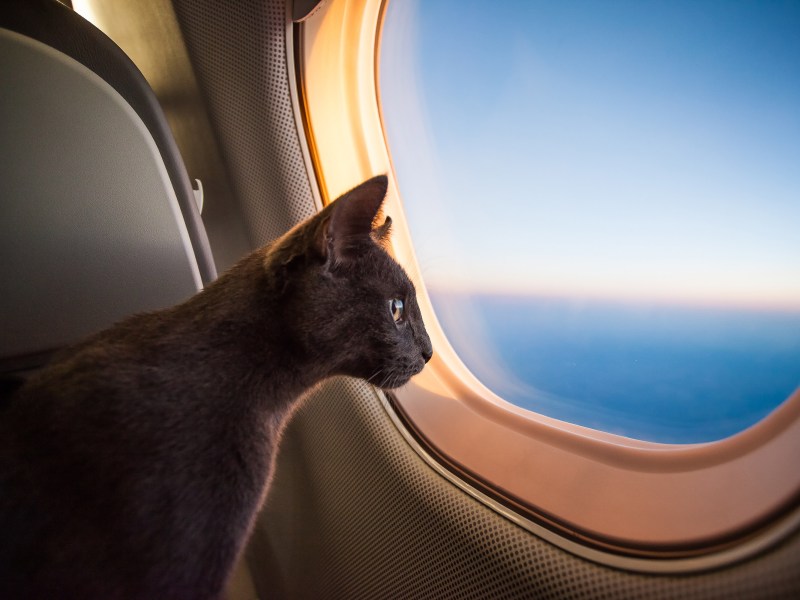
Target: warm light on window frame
639,505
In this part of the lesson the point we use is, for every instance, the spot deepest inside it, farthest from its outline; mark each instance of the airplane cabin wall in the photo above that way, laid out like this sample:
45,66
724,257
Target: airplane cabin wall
354,511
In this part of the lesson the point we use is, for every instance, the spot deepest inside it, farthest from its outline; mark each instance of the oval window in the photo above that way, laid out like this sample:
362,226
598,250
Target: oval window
604,200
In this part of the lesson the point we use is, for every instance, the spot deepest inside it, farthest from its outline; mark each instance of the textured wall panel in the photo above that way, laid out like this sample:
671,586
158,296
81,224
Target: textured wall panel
354,512
238,50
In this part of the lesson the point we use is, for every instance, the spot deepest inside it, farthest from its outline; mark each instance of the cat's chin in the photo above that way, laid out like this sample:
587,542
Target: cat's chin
392,381
393,385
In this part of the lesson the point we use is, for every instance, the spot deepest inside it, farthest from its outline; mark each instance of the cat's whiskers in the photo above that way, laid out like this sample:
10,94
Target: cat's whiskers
375,374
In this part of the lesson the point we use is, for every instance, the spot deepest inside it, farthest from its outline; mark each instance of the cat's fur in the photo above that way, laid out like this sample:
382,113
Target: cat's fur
133,466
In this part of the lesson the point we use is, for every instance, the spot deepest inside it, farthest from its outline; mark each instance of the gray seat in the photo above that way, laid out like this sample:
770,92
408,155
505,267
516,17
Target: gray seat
97,215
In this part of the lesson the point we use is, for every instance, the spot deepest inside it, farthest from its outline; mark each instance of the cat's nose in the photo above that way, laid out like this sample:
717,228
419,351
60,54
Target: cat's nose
427,353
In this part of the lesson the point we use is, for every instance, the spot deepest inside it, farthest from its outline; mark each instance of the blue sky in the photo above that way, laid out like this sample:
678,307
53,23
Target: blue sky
615,149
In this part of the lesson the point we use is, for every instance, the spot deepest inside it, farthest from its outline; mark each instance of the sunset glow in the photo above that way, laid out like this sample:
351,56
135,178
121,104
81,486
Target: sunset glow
630,150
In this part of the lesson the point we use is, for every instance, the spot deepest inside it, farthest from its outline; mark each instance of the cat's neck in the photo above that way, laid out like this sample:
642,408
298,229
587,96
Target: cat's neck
236,328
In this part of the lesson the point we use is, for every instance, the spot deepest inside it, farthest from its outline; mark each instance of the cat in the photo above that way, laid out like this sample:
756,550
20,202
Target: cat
134,464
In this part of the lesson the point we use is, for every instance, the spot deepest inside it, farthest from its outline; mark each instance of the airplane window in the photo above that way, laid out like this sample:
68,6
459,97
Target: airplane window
604,199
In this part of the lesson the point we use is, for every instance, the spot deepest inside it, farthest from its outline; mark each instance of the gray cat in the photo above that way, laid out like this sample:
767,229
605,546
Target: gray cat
134,464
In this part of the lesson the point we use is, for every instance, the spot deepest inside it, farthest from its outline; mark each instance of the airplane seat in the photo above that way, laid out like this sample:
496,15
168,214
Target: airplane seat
98,219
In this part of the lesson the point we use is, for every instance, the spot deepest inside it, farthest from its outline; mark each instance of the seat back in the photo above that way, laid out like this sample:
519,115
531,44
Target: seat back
97,215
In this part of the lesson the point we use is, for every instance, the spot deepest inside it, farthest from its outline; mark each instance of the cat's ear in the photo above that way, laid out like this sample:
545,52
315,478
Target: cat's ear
381,234
351,219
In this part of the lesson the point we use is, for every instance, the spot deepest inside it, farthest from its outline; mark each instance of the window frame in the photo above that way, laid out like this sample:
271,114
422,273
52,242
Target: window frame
639,505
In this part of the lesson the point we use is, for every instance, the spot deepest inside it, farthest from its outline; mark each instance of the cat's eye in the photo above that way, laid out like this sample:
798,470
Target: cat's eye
397,309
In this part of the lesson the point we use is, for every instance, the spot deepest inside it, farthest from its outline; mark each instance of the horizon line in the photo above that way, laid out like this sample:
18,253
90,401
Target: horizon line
636,297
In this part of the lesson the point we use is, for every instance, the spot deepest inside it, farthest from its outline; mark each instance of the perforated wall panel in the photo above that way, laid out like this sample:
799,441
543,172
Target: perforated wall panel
354,512
239,55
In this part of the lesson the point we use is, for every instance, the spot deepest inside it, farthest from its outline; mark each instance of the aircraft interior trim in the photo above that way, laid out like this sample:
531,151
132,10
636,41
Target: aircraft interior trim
668,479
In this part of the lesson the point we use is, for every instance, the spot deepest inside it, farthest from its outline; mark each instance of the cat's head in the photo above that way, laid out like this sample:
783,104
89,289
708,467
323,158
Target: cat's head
352,304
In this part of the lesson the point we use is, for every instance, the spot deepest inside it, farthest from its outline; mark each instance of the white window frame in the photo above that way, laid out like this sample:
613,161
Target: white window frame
639,505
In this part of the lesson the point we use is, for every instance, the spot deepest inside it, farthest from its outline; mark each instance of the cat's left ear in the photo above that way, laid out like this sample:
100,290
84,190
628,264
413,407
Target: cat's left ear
352,216
382,233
